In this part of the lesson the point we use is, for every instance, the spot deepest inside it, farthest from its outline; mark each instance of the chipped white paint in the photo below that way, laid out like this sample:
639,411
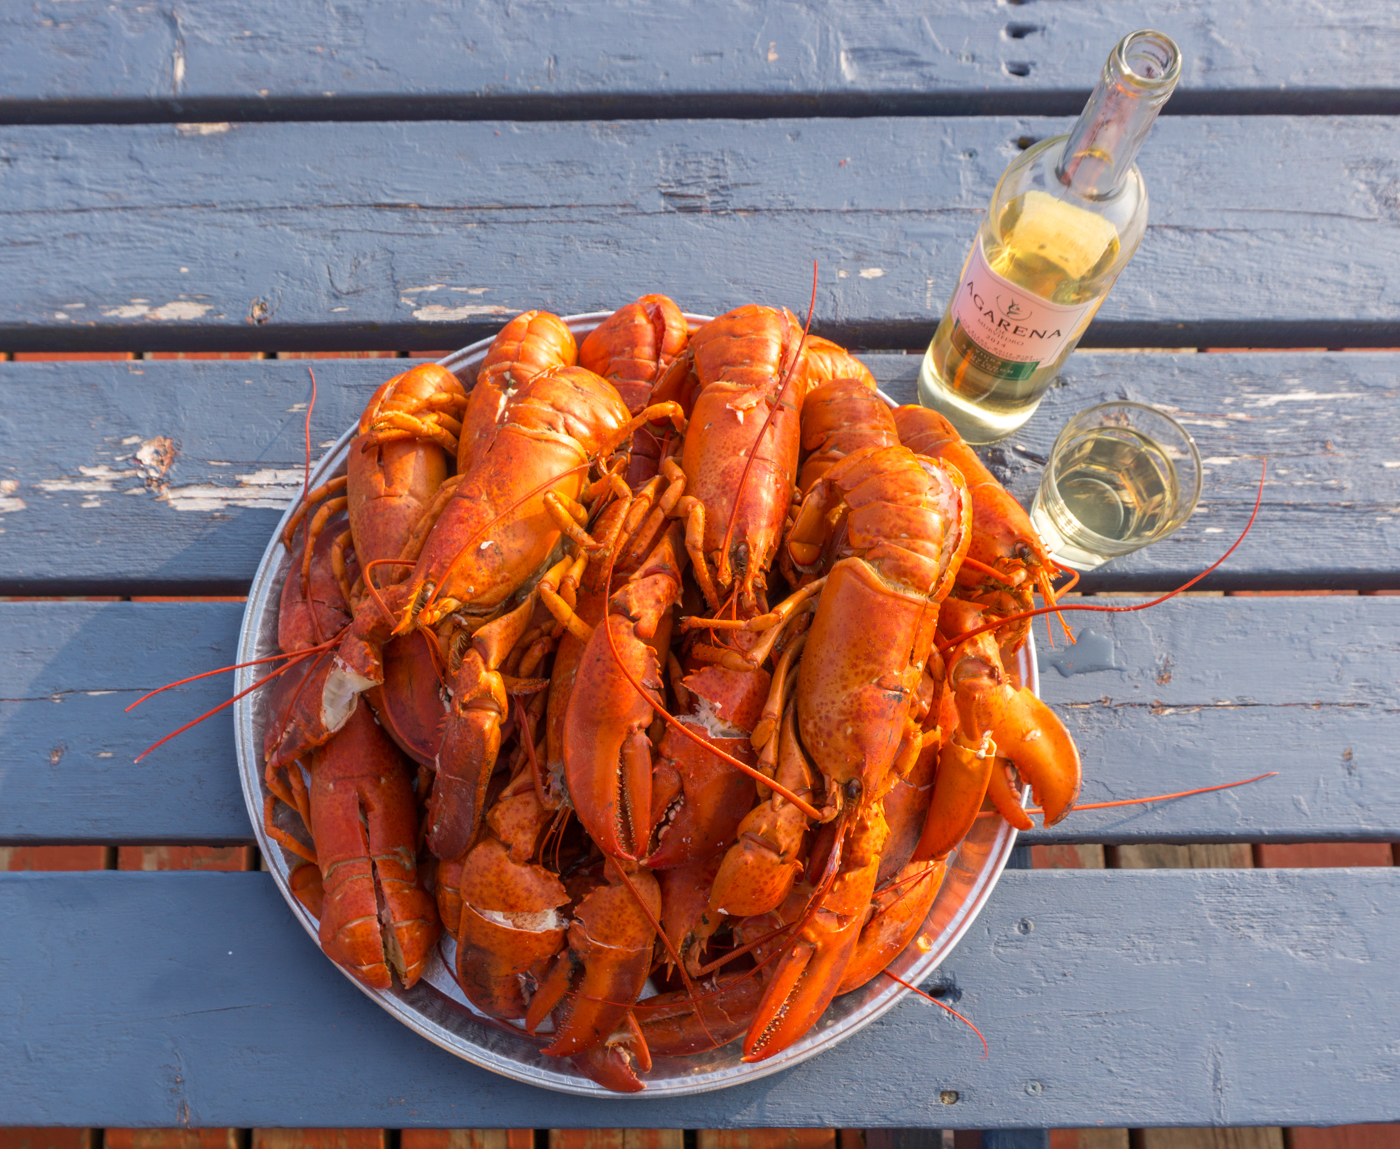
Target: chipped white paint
1221,460
101,479
439,314
1390,466
203,130
9,501
471,290
1302,397
871,272
60,315
415,290
843,275
181,309
131,440
271,488
175,309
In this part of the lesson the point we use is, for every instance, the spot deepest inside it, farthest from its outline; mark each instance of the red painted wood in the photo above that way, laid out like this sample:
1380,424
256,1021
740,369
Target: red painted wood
1309,854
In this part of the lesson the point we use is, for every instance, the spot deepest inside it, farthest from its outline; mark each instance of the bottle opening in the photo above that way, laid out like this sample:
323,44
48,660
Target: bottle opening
1149,60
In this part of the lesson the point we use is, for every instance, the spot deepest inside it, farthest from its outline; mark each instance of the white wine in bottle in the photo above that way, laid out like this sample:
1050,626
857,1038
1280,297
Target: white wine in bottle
1064,220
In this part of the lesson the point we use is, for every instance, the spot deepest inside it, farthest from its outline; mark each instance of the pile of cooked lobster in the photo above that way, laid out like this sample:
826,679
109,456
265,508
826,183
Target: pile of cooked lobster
684,665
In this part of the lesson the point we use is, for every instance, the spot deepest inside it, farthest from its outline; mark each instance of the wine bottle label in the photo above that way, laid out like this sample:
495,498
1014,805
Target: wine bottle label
1006,331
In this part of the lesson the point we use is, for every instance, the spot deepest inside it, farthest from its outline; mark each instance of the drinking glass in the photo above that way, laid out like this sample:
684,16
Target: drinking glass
1121,475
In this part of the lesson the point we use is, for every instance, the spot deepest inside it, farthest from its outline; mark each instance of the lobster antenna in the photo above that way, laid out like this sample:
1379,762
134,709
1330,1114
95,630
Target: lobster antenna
1258,499
298,657
773,411
1153,798
306,475
941,1005
211,673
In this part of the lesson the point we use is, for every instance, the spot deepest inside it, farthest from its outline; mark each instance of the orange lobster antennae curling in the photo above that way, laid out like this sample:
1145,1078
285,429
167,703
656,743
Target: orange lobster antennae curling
941,1005
948,644
1150,798
300,656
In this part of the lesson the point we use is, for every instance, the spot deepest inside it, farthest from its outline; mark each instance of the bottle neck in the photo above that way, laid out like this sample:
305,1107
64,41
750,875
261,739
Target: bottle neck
1137,80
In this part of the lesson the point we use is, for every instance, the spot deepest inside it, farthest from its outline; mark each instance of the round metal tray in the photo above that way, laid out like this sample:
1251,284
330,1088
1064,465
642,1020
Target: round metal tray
436,1008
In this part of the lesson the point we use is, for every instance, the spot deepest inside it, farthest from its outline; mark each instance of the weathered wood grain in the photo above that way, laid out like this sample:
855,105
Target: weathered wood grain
82,514
1132,998
174,476
1254,685
374,235
87,60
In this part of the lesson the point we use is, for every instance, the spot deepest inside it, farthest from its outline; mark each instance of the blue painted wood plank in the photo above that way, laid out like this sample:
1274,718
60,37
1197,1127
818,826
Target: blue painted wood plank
277,236
1127,998
67,746
1206,690
82,514
87,60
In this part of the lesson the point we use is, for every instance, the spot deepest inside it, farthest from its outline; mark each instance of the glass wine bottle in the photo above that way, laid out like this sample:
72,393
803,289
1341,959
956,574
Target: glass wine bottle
1064,220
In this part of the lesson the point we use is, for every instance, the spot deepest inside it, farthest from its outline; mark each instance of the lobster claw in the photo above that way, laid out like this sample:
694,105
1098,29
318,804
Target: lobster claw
611,1063
508,926
607,753
997,718
699,799
810,973
761,867
958,789
471,737
686,917
409,702
311,702
606,964
1029,733
376,916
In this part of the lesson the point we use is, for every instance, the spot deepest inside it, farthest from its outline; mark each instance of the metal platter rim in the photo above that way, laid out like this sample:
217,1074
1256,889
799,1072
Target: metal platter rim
486,1045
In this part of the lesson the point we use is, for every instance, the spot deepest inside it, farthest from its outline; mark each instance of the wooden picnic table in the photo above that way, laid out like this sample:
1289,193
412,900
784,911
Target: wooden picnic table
258,177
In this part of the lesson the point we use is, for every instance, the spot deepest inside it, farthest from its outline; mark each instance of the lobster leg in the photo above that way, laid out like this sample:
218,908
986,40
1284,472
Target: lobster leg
760,868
